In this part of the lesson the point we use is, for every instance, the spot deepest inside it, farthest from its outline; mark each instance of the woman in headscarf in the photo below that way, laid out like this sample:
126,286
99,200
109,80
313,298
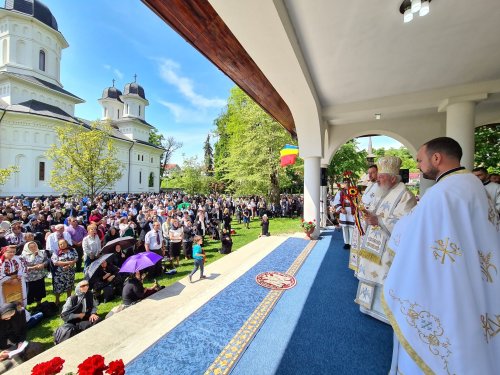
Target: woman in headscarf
64,260
80,309
36,266
111,234
12,276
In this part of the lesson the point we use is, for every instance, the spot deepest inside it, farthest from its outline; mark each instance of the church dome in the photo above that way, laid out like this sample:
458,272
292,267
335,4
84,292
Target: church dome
134,89
111,93
33,8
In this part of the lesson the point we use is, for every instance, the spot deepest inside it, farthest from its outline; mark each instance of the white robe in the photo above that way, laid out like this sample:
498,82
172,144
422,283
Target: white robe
374,260
442,293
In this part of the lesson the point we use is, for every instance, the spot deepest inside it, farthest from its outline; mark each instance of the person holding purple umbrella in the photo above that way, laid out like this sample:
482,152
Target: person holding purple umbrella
133,291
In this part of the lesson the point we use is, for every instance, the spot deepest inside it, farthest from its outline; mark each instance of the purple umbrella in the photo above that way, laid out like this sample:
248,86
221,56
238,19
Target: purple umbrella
140,261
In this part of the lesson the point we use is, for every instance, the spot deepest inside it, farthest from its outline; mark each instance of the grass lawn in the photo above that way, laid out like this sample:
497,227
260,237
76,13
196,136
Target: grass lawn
43,333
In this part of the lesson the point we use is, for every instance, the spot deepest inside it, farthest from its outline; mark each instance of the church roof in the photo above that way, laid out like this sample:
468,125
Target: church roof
111,93
134,89
41,109
41,82
33,8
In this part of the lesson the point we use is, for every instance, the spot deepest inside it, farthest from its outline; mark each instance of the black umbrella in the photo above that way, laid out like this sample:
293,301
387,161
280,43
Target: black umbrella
124,242
95,265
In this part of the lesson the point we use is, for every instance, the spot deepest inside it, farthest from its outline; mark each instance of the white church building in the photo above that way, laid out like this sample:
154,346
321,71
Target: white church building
33,103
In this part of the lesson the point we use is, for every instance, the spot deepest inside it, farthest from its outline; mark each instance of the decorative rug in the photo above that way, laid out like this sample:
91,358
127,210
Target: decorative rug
276,280
233,351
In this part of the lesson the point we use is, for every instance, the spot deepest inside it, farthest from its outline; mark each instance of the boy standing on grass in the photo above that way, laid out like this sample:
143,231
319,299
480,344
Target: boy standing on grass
198,257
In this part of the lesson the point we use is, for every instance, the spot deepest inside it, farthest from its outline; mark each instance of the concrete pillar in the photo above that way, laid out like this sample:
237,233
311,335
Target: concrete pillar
312,176
424,185
460,126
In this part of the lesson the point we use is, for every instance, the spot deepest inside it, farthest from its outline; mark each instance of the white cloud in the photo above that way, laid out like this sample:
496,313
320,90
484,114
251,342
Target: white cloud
115,71
169,73
186,115
118,74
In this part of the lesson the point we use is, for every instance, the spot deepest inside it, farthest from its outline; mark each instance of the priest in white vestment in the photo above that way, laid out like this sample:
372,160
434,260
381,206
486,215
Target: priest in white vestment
393,202
442,293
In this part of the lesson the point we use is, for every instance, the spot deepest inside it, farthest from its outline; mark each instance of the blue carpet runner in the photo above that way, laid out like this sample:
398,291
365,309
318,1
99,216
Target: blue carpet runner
192,346
316,328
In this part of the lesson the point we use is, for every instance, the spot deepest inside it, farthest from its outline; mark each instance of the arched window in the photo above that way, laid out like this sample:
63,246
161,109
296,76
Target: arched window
41,60
140,178
118,113
151,180
139,111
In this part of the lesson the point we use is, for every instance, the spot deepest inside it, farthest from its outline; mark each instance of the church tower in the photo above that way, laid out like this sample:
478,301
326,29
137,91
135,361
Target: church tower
112,105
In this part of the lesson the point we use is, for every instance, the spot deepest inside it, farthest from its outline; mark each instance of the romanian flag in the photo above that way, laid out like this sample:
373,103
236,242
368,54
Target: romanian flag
289,154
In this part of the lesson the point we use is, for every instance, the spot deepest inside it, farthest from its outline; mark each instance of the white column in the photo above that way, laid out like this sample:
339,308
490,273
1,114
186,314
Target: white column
312,174
424,185
324,200
460,126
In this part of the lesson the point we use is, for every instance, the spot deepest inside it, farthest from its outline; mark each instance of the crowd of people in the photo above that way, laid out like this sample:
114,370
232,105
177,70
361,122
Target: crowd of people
416,262
57,237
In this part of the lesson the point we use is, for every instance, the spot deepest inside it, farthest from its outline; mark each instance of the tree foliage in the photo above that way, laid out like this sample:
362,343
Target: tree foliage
5,173
85,161
209,158
408,162
169,144
487,147
247,150
191,178
347,158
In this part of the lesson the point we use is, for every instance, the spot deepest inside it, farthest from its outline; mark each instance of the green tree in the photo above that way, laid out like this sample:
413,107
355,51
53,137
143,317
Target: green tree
5,173
169,144
190,178
209,158
85,161
247,151
347,158
487,147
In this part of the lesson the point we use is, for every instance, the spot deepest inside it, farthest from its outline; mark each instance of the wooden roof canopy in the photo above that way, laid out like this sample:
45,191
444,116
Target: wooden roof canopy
200,25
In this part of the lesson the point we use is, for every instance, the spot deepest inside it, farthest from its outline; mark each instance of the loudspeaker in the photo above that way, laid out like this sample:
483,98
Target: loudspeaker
324,177
405,175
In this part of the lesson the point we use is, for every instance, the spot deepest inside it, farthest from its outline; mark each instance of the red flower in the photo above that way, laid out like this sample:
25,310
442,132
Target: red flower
310,222
52,367
116,368
93,365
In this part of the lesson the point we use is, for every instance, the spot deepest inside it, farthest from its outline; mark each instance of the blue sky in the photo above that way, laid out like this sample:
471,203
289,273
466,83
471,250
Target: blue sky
115,39
111,39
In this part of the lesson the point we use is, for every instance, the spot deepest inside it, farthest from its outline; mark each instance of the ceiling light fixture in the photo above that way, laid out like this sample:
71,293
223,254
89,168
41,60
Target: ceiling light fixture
410,7
378,116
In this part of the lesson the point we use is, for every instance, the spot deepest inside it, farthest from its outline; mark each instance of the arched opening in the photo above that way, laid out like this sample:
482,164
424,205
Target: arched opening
41,60
357,154
151,182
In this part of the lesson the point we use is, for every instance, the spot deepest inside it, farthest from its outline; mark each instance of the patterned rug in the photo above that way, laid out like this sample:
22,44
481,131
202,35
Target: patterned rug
275,280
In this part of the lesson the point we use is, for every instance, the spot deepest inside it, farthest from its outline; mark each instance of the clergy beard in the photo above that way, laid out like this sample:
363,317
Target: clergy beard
430,174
